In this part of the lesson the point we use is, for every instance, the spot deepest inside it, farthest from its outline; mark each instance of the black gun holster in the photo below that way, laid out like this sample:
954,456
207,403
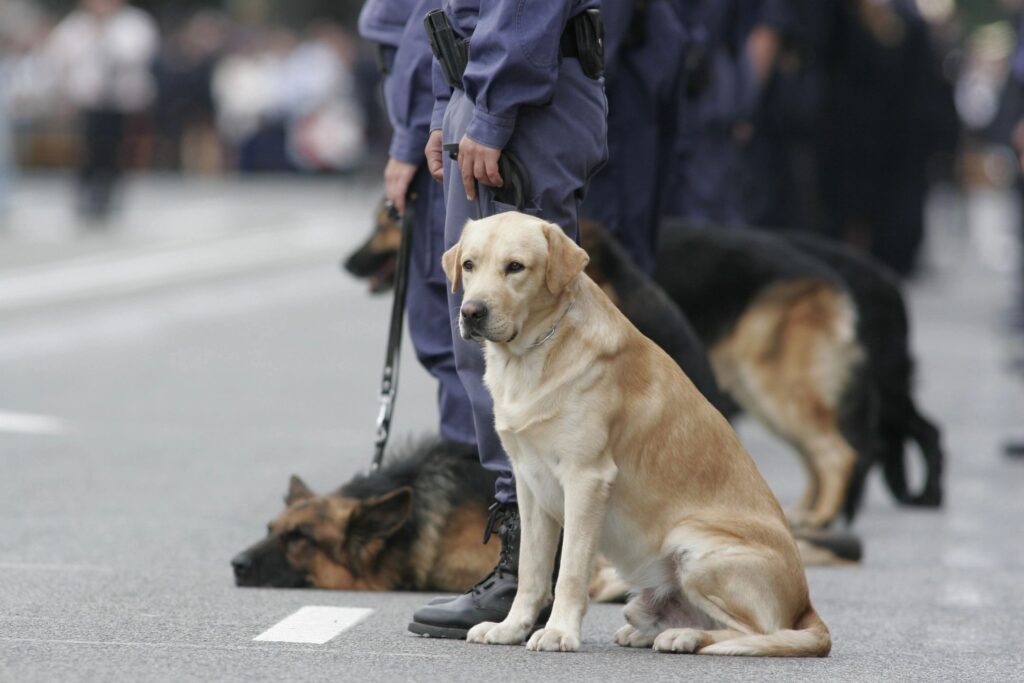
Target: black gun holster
583,39
451,51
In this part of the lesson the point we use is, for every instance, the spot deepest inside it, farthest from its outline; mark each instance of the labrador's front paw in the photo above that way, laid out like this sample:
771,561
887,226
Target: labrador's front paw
492,633
554,640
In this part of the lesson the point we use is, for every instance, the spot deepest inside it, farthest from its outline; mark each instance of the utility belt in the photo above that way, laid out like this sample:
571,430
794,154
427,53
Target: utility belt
582,39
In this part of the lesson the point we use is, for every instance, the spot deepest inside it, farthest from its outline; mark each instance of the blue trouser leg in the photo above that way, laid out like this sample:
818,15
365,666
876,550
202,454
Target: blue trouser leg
427,310
561,145
624,196
644,94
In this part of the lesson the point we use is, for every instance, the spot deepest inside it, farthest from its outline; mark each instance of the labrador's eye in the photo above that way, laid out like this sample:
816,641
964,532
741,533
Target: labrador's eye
514,267
467,265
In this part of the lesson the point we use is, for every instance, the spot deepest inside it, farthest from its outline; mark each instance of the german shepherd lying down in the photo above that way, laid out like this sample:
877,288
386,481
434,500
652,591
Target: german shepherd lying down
763,305
415,524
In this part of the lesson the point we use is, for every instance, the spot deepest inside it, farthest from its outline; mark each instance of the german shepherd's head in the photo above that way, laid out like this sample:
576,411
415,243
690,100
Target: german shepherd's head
329,541
377,258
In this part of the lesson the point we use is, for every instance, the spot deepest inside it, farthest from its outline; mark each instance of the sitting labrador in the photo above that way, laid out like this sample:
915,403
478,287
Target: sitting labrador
611,441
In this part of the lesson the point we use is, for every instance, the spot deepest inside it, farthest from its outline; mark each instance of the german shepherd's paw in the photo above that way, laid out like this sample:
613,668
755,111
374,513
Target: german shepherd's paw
491,633
631,636
554,640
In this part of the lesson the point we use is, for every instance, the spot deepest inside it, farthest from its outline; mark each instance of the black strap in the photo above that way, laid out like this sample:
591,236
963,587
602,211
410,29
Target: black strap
389,380
568,47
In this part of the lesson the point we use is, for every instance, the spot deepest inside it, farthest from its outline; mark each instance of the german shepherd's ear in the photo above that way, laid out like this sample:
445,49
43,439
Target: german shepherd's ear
451,261
381,516
566,259
297,490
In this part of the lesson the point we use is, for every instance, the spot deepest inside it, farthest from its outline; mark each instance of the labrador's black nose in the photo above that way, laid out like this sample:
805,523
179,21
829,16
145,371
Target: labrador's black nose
474,311
242,563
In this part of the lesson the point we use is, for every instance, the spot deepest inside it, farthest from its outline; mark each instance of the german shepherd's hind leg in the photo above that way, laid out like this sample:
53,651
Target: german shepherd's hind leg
790,359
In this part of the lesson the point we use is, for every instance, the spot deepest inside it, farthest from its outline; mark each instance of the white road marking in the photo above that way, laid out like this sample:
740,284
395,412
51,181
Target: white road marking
26,423
314,624
134,319
154,266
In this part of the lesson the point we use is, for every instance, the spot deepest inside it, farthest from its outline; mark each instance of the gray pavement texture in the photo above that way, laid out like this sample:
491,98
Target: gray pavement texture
185,401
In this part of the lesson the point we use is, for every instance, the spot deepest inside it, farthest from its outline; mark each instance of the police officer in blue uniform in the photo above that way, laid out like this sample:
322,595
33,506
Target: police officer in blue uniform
530,89
646,44
405,59
721,93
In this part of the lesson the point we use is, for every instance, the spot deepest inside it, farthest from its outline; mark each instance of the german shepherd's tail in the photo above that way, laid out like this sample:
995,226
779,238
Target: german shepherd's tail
810,638
926,435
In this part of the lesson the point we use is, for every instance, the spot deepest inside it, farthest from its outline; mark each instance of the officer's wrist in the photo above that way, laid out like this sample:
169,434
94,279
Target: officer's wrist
489,129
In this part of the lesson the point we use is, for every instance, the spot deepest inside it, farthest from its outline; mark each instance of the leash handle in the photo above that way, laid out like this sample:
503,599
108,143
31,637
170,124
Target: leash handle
389,378
516,190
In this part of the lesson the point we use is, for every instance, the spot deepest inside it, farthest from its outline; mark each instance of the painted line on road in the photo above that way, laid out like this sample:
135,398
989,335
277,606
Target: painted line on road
27,423
162,265
314,624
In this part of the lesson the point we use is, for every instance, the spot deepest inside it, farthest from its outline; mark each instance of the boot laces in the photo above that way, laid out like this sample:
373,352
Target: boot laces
504,521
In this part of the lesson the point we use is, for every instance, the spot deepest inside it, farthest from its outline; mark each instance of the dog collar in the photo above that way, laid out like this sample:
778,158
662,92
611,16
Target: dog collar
554,328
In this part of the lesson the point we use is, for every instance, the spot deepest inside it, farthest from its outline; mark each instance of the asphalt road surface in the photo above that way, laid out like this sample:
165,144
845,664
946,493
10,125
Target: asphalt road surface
161,381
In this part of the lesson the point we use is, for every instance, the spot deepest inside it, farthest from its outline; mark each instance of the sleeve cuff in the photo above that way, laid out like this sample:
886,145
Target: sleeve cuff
488,129
407,145
437,116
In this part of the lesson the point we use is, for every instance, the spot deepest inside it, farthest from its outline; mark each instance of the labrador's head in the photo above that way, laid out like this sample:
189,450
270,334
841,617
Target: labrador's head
513,268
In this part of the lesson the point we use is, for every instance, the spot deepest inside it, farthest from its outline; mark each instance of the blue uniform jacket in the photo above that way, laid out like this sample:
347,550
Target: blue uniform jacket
513,60
408,90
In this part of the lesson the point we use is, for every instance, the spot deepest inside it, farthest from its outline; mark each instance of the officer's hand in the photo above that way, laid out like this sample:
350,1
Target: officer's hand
478,162
398,176
435,160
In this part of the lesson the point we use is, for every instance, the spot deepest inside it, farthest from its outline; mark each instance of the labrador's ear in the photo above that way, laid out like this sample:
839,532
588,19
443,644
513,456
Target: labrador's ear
451,261
566,259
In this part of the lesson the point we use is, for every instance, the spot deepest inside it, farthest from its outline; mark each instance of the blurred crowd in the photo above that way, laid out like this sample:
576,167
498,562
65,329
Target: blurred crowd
858,107
206,94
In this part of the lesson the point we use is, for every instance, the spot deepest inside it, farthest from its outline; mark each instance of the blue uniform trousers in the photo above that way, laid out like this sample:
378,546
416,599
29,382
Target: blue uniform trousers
427,309
561,146
645,91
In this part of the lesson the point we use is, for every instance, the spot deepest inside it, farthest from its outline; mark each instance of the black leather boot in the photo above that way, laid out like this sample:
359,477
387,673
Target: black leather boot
491,598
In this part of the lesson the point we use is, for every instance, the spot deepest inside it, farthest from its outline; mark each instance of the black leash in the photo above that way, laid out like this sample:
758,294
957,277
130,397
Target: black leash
389,380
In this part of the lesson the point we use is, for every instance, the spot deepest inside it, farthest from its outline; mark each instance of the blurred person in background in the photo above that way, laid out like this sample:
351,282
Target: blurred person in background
103,52
17,23
878,127
6,153
720,91
317,97
785,46
245,87
183,111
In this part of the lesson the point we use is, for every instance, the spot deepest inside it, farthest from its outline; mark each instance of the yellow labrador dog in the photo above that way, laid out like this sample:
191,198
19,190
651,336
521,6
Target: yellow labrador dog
610,440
